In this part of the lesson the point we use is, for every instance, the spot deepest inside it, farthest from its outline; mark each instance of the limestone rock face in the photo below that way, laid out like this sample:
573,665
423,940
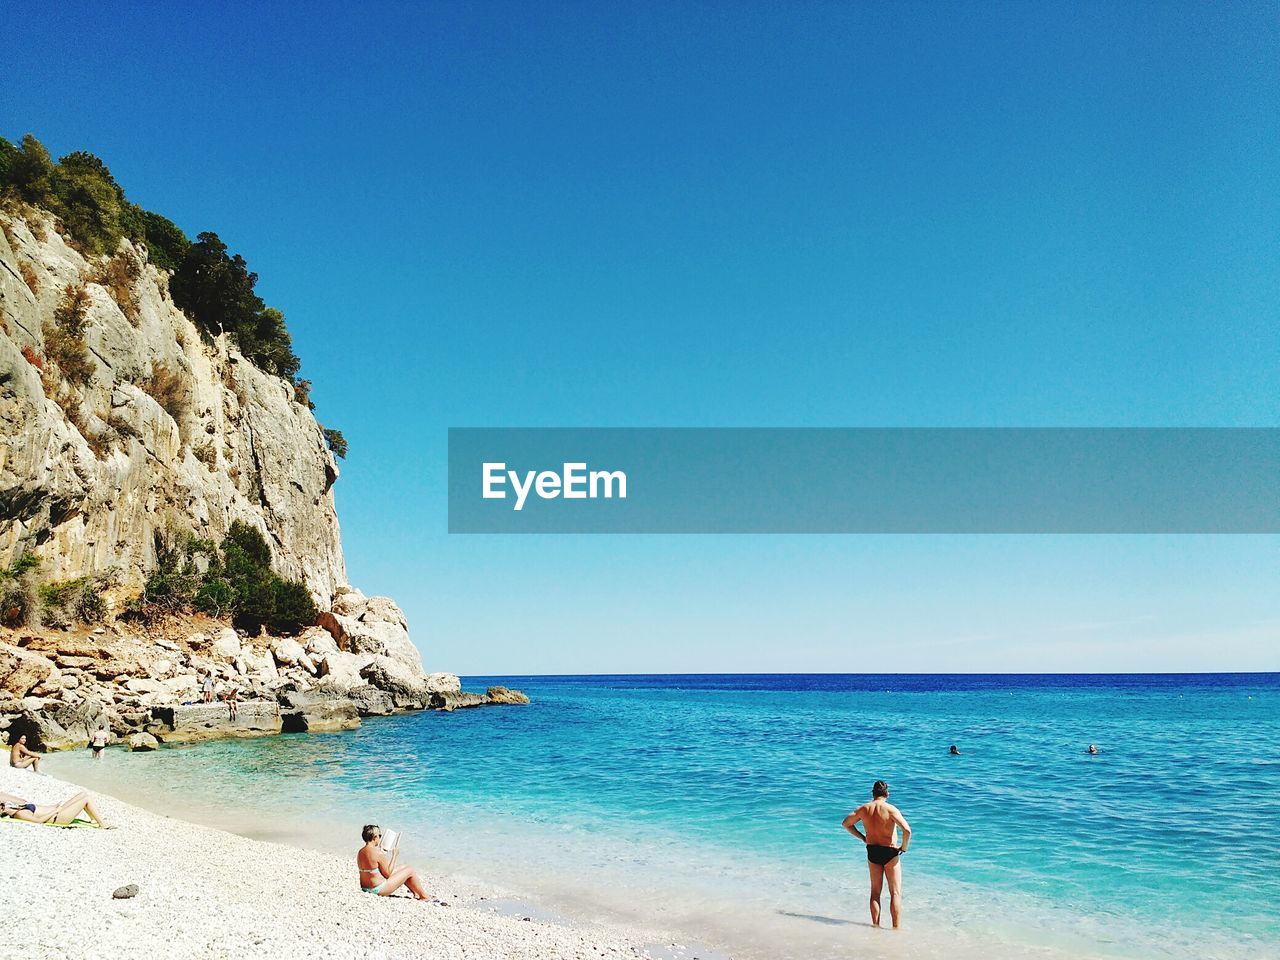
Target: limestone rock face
341,671
369,701
142,741
190,723
315,712
59,726
170,432
373,625
408,689
21,671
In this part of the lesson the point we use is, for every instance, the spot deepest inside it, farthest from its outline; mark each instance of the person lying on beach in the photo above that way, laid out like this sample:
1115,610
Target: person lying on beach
374,863
882,819
21,757
62,813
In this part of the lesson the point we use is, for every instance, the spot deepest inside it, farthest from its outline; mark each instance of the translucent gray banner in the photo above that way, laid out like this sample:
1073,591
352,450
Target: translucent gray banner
864,480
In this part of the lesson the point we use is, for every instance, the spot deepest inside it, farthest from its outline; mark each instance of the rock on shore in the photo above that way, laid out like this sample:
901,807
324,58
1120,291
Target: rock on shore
58,687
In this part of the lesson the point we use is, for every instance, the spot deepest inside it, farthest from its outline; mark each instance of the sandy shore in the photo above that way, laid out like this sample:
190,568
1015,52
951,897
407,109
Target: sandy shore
204,893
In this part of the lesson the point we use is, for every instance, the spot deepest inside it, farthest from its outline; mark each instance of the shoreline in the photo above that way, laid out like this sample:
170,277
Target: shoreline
478,812
205,892
311,846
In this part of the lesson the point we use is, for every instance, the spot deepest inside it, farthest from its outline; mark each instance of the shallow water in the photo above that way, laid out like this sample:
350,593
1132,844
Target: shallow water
711,805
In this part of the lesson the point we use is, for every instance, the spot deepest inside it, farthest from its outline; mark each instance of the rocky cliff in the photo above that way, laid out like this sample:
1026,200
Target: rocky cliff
168,431
121,428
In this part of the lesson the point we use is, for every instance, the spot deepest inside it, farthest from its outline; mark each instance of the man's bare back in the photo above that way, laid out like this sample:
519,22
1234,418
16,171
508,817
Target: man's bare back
881,820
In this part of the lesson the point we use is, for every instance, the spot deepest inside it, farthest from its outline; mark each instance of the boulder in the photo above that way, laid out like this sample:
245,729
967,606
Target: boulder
317,641
142,741
443,683
370,701
71,662
348,602
455,700
184,686
226,646
385,610
378,627
116,667
408,689
259,664
21,671
287,651
312,712
61,645
341,671
210,721
51,685
50,725
502,695
43,733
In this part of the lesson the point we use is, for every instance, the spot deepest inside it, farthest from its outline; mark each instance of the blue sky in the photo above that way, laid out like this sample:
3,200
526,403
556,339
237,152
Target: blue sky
729,215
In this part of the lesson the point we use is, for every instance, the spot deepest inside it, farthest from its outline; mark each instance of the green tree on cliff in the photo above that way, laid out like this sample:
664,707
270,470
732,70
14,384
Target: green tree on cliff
216,290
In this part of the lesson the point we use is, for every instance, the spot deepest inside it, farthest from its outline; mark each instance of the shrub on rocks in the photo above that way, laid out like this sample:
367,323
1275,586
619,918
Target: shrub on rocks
66,602
234,579
18,600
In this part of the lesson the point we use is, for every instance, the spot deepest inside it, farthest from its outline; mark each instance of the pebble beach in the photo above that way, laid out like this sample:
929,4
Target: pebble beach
204,893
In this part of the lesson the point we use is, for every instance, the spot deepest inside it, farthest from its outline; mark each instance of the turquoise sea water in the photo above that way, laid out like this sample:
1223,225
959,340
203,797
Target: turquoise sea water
712,804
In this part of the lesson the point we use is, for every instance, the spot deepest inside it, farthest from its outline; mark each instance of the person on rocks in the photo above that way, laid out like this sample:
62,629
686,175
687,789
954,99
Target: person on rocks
378,873
232,700
61,813
207,688
21,757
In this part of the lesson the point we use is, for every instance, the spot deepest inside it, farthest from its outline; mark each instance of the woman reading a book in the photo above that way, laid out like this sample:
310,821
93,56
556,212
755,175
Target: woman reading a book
378,873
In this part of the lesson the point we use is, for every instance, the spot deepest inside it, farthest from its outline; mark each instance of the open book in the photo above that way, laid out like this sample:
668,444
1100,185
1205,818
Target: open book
390,842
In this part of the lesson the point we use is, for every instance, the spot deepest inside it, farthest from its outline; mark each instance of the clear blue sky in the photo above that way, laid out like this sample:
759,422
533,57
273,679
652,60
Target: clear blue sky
729,214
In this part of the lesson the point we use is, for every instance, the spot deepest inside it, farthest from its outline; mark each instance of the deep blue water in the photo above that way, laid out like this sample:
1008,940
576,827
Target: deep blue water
717,800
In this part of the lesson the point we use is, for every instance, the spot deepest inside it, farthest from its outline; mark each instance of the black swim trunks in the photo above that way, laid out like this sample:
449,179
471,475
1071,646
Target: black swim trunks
881,855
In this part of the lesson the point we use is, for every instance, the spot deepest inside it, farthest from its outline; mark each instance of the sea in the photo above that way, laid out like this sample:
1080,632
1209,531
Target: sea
709,807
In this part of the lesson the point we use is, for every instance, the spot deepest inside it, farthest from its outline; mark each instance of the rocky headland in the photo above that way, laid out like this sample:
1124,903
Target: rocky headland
130,432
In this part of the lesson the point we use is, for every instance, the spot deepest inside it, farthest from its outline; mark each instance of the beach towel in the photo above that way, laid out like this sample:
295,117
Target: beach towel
77,822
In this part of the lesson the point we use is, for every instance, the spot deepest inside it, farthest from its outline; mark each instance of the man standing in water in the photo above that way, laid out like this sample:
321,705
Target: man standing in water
881,819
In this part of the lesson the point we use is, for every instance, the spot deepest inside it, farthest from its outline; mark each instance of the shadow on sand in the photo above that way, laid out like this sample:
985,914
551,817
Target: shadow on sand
829,921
